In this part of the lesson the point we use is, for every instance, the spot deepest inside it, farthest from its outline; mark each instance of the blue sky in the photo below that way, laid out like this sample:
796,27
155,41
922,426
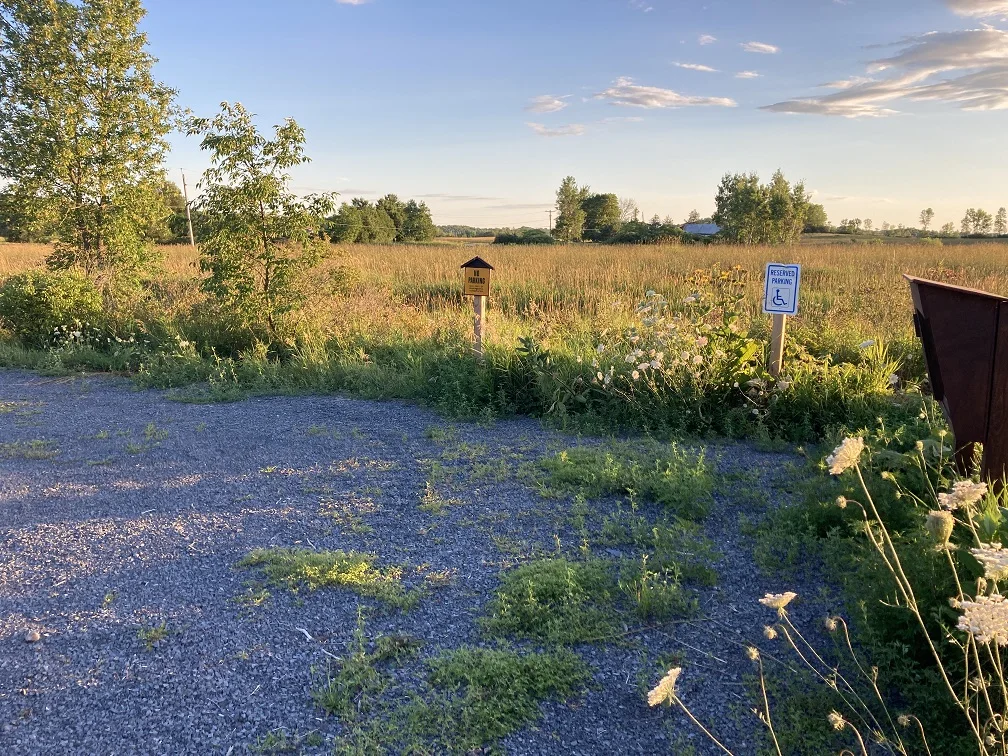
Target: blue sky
482,107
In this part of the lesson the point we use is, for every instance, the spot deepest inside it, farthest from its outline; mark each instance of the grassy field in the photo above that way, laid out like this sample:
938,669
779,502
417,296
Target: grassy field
849,292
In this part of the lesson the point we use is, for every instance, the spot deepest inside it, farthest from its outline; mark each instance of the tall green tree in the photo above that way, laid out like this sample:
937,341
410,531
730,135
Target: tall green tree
1001,222
395,209
346,225
570,222
257,235
816,218
82,127
602,216
417,224
926,216
752,213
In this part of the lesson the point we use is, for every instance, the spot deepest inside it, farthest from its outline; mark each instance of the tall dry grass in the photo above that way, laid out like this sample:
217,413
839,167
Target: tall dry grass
570,293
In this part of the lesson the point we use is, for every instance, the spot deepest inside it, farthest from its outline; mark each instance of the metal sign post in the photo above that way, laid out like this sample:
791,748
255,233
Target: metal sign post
477,286
780,299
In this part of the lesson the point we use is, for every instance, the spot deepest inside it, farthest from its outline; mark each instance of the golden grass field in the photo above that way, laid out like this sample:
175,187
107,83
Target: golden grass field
568,294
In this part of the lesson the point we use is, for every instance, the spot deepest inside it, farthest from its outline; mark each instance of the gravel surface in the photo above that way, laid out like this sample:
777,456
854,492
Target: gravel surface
136,508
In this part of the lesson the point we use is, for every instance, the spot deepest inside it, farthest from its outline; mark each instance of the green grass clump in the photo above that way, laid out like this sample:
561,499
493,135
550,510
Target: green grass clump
557,601
280,741
36,449
152,636
294,568
492,694
668,475
670,544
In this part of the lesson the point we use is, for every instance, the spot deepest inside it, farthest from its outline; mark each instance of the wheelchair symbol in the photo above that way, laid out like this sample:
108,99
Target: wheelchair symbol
778,300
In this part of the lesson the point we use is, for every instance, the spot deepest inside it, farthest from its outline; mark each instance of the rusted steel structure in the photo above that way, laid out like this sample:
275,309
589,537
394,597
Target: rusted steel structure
965,337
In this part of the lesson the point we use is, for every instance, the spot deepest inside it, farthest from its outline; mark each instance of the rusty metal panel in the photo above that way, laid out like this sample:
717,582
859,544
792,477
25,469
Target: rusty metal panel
959,328
996,446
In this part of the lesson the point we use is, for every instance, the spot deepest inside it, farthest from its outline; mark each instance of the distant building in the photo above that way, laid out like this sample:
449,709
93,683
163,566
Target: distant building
702,229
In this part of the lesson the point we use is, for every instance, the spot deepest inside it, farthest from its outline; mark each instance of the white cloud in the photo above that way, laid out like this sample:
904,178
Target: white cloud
624,92
747,75
696,67
641,5
622,119
574,129
979,8
760,47
707,39
352,2
546,104
968,68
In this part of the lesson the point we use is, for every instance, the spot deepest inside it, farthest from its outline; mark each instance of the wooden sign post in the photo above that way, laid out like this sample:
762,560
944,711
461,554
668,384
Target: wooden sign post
780,299
477,286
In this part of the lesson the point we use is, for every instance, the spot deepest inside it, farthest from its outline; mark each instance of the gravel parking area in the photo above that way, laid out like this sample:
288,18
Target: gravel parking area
123,510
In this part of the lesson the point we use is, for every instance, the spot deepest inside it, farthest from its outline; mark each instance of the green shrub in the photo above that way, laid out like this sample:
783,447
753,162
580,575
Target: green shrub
34,304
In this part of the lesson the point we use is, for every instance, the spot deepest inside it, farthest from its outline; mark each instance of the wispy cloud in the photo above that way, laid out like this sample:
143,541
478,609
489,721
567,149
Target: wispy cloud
458,197
974,63
547,104
707,39
352,2
624,92
747,75
760,47
622,119
696,67
641,5
979,8
574,129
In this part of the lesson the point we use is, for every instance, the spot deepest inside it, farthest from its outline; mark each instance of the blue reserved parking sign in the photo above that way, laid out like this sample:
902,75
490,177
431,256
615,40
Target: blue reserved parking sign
782,283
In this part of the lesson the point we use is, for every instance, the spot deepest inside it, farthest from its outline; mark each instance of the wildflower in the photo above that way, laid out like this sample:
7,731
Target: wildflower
665,689
866,344
651,293
701,342
904,720
964,493
644,366
598,375
845,456
940,524
579,360
769,633
698,359
595,364
986,618
919,446
841,501
778,600
992,557
752,652
685,356
836,720
736,384
783,385
600,348
894,380
635,375
654,364
689,300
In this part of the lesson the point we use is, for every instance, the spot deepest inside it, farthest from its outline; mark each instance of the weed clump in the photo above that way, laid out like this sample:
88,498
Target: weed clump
493,693
294,568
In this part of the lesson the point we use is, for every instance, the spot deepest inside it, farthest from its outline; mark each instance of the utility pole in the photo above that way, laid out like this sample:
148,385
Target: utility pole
551,220
185,193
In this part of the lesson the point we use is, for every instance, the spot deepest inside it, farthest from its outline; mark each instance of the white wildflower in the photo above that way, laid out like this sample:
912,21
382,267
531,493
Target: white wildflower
684,356
600,348
993,558
845,456
644,366
964,493
698,359
635,375
701,342
866,344
940,524
986,618
598,375
836,720
894,380
689,300
664,690
778,600
654,364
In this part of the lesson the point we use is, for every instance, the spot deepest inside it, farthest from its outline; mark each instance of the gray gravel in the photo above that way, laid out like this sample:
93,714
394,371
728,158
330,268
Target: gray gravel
130,525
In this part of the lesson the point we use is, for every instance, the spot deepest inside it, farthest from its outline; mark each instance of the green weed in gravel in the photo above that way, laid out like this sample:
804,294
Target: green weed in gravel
666,474
557,601
152,636
35,449
490,694
280,741
294,568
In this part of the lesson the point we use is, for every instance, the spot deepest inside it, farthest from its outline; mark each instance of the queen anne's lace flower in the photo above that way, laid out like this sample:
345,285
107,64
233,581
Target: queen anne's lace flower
986,618
964,493
940,524
665,689
778,600
845,456
993,558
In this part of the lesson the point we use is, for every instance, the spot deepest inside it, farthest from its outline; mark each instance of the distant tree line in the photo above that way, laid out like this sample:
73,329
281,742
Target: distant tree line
382,222
469,232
